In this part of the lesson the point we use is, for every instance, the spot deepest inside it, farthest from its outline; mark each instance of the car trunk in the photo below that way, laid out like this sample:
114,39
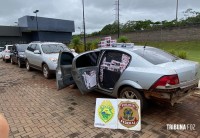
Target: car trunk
186,70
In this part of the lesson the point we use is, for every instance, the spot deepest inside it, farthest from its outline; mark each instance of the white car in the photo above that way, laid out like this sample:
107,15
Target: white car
44,55
1,49
6,53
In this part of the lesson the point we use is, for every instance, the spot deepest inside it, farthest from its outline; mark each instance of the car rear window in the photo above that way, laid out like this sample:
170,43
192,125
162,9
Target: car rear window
155,56
54,48
9,47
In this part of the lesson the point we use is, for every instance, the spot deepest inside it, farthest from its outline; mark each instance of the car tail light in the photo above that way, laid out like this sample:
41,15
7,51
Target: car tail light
166,81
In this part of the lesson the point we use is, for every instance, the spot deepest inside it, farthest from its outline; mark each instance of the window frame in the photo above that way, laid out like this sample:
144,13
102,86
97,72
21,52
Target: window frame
97,59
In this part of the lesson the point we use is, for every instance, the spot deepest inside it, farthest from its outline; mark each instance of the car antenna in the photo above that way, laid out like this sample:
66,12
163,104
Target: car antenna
145,45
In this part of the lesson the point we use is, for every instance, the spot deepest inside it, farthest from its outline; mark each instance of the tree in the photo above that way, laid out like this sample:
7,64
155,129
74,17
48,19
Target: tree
77,44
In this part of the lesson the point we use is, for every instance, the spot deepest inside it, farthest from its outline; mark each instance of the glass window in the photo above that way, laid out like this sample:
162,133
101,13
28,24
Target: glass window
155,56
31,47
22,47
87,60
37,47
1,49
54,48
66,58
10,47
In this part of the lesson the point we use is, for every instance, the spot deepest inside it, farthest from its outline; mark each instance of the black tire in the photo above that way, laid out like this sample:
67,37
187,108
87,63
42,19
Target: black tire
131,93
11,61
28,66
19,63
6,60
45,71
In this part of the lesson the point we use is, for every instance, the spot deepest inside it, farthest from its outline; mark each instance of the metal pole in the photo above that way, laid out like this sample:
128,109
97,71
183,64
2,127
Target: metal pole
118,20
36,11
84,24
36,21
177,11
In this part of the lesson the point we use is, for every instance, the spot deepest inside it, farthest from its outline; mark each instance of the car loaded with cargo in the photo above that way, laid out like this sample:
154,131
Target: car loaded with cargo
131,72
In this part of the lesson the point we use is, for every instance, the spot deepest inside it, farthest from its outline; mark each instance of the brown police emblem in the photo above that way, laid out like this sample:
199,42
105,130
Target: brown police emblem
128,114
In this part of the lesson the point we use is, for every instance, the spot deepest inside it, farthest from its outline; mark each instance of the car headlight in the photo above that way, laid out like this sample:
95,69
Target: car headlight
54,60
21,55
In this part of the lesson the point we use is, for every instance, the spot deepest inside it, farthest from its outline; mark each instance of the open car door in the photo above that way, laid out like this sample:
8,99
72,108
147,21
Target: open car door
63,71
86,71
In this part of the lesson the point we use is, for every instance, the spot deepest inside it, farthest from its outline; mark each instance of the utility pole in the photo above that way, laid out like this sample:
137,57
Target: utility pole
118,19
36,11
177,11
84,24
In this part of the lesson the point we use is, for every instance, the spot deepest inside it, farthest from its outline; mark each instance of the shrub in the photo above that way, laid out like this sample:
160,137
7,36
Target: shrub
93,44
172,51
77,44
123,39
182,54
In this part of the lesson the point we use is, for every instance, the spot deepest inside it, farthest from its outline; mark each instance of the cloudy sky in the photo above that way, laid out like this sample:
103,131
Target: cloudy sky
98,13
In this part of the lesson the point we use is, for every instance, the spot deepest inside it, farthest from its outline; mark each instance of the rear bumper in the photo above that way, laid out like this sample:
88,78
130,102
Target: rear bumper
7,57
171,96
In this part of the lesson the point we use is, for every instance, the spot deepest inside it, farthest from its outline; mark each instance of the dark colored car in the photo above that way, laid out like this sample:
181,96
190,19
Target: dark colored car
17,54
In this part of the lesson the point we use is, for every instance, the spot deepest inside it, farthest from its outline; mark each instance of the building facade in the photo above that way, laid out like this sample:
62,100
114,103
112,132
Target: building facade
31,29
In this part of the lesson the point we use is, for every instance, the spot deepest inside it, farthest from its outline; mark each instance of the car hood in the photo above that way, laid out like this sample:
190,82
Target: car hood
21,53
53,55
186,70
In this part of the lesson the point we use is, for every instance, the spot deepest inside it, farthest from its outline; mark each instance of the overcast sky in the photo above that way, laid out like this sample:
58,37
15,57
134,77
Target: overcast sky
98,13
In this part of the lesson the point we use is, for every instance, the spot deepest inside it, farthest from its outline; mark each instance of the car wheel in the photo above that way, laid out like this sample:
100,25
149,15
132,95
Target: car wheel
45,70
131,93
28,66
19,63
11,60
6,60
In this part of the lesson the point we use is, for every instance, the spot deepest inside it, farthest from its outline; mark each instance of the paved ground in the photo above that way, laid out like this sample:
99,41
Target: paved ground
34,108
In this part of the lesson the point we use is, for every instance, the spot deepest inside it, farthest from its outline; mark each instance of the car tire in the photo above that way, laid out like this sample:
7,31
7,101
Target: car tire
45,70
11,61
6,60
131,93
19,63
28,66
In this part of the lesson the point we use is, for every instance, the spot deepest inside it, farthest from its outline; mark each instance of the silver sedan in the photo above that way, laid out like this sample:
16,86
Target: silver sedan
132,72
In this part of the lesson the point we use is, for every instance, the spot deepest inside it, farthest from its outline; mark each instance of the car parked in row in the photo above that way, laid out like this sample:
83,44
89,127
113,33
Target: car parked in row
6,53
18,54
130,72
1,49
43,56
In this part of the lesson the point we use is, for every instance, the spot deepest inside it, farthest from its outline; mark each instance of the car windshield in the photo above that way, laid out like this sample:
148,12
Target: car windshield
155,56
22,47
54,48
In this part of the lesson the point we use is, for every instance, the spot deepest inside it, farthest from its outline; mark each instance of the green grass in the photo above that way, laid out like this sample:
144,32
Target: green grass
192,48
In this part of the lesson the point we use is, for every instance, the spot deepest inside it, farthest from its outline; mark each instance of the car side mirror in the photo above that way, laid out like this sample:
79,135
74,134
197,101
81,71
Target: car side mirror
37,52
